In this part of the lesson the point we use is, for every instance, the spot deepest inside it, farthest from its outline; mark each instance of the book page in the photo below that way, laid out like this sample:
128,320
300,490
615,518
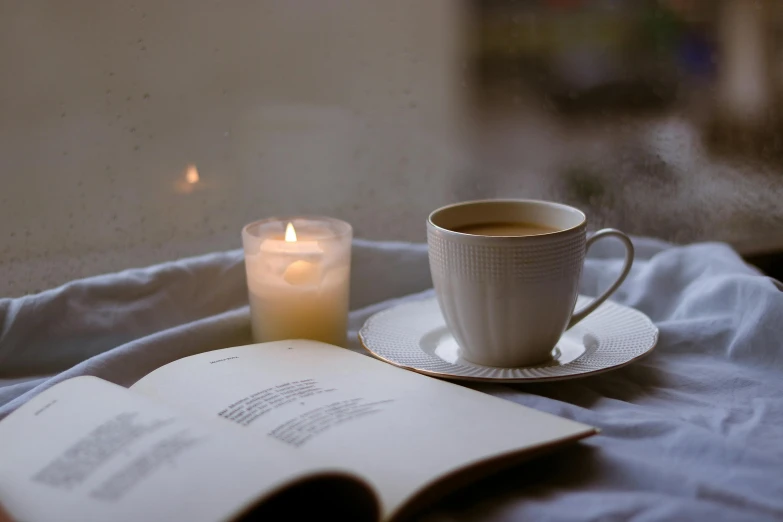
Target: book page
398,429
87,450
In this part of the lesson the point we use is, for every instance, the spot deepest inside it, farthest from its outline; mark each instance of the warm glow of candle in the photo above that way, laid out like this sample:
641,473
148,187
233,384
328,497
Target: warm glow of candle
290,233
298,281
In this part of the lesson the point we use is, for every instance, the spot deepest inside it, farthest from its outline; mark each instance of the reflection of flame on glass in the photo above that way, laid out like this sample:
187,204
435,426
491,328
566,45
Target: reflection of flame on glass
290,233
189,180
191,175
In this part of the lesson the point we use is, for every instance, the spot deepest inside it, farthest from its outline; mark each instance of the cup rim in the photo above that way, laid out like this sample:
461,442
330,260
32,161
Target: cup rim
562,206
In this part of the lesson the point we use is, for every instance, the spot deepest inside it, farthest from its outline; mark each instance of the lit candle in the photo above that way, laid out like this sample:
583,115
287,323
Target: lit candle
298,273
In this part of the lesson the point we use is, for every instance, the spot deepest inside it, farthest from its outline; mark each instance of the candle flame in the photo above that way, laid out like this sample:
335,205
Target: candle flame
290,233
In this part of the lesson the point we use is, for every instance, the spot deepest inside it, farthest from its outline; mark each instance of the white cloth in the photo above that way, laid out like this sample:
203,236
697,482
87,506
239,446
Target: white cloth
692,432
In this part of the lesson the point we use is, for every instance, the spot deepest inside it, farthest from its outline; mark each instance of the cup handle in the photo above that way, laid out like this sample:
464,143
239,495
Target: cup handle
595,303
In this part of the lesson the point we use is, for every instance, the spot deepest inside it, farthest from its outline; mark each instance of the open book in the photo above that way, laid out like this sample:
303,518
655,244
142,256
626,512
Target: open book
291,427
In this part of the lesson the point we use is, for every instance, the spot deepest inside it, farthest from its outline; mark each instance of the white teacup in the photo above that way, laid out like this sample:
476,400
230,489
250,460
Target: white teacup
507,299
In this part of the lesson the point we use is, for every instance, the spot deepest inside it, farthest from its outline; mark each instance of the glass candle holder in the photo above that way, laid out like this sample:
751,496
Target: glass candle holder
298,277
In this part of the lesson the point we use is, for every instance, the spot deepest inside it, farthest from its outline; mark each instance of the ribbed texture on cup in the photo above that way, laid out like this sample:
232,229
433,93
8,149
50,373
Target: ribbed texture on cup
506,300
528,258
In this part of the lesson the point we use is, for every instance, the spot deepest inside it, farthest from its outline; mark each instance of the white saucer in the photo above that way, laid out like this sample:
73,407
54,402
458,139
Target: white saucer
414,336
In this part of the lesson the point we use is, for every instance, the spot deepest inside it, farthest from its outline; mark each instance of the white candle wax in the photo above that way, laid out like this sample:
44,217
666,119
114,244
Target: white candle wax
298,286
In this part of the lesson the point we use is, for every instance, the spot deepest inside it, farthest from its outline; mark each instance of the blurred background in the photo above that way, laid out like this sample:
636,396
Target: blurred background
137,131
